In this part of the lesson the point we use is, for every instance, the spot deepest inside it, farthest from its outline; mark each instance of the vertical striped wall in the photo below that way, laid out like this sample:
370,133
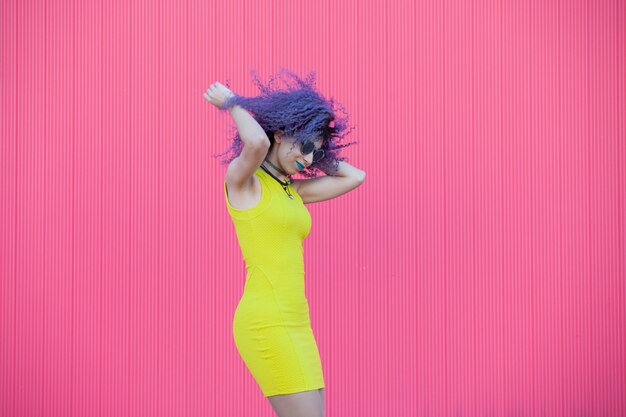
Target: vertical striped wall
478,271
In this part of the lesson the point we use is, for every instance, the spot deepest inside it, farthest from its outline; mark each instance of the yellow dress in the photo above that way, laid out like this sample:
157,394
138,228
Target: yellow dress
271,325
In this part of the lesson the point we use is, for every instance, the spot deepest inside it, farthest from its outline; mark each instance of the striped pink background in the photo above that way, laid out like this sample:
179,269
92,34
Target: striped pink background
479,270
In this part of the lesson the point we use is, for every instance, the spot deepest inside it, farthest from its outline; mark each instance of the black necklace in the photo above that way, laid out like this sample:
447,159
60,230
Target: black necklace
284,184
275,167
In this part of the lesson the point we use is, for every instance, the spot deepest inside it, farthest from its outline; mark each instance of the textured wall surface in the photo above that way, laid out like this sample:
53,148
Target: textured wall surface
478,271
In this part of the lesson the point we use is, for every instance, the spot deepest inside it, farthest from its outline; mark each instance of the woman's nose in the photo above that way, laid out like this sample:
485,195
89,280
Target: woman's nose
309,158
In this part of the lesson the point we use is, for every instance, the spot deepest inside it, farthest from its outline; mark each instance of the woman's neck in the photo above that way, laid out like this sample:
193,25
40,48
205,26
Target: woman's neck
273,167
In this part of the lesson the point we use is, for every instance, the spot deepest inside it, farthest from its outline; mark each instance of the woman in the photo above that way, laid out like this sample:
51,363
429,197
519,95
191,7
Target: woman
292,130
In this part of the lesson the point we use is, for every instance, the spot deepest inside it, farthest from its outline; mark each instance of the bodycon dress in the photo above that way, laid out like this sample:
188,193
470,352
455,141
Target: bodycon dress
271,324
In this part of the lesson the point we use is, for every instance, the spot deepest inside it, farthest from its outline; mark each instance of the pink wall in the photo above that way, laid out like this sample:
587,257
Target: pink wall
479,270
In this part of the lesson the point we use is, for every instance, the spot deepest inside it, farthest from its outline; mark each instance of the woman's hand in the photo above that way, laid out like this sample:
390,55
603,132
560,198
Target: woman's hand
217,94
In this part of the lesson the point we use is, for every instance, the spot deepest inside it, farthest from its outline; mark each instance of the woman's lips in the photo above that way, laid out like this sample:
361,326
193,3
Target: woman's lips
299,165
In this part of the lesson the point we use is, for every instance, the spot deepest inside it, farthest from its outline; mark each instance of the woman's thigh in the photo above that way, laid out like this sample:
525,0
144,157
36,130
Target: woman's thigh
300,404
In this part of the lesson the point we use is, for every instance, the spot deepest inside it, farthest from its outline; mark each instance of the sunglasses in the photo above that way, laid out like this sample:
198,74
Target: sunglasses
307,147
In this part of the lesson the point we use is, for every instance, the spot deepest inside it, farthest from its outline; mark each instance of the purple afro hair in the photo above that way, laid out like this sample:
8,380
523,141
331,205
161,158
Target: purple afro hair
300,112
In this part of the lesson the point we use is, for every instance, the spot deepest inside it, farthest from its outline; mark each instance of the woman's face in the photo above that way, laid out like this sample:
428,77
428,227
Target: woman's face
290,157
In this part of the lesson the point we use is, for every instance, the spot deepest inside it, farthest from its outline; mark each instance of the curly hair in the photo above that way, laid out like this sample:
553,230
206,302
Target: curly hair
301,112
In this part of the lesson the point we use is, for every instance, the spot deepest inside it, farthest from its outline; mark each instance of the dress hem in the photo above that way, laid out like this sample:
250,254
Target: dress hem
272,393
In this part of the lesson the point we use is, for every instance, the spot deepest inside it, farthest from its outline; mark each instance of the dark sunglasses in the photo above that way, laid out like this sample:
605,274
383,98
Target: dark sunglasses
307,147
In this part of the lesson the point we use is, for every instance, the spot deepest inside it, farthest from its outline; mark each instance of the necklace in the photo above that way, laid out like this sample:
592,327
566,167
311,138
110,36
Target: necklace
284,184
276,168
